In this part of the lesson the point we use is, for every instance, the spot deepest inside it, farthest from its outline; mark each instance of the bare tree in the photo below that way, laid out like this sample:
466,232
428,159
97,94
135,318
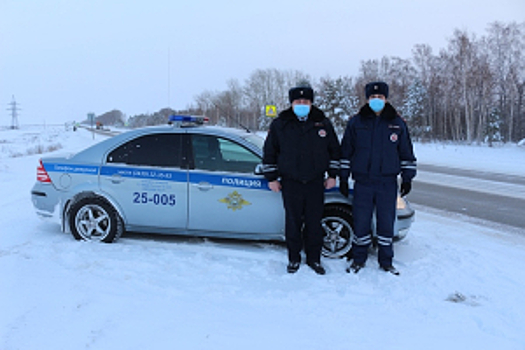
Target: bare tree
462,54
396,72
506,44
428,73
269,87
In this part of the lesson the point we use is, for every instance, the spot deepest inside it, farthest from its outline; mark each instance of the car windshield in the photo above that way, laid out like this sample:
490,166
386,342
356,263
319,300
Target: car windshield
255,139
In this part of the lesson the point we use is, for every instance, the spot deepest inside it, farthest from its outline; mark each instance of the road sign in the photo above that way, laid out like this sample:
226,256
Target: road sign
271,111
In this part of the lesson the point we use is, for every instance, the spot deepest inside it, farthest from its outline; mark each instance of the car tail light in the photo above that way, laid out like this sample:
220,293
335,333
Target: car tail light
41,173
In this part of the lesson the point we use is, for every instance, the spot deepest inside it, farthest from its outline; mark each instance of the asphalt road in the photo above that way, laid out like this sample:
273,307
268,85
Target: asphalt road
498,198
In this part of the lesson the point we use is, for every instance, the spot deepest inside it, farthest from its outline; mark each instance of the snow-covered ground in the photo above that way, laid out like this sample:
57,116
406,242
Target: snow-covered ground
461,285
504,159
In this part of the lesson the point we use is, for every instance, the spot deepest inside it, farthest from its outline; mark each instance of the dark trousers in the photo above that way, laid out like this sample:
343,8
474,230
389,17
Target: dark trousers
381,196
303,205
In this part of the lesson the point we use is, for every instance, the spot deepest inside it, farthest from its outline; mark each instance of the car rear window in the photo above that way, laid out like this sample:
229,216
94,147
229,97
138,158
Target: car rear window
162,150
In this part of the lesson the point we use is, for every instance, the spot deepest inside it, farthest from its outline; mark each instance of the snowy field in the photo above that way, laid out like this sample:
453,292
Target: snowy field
461,286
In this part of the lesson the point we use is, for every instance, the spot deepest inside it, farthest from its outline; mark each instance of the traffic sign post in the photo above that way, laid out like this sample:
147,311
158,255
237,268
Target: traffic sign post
91,118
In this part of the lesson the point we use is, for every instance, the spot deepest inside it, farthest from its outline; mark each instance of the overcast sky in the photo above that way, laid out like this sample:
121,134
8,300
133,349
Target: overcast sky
64,58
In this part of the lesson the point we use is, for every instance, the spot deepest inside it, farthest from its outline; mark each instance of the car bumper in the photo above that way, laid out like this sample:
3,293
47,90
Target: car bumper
405,218
45,199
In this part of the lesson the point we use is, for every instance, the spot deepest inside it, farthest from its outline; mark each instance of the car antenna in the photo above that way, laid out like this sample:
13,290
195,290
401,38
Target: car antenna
242,126
245,128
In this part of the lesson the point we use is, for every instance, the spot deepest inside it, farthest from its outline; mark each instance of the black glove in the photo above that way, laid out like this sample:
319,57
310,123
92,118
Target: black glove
405,188
343,187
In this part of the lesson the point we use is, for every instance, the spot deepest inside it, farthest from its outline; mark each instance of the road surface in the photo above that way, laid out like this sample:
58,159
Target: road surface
499,198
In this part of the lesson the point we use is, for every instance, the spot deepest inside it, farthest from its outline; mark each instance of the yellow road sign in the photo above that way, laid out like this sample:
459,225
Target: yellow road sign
271,111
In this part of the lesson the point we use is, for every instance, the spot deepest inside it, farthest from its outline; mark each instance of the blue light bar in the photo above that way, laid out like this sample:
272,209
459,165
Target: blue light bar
187,119
182,118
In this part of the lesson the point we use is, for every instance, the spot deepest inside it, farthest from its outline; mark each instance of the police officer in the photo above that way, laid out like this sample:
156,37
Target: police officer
376,148
300,148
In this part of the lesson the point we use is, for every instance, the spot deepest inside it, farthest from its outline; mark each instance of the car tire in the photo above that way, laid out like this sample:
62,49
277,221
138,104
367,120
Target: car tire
338,227
94,219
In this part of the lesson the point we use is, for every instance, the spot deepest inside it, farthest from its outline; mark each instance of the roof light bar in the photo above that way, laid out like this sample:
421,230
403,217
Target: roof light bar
178,118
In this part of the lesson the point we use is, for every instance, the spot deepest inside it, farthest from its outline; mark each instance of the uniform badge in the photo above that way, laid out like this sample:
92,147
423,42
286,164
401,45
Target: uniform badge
234,201
393,137
322,133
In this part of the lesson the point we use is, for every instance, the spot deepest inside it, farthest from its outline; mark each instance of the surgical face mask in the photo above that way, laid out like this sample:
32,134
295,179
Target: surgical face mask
376,104
301,111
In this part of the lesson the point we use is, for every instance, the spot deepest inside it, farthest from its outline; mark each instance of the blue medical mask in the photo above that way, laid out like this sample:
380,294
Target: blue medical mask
301,111
376,104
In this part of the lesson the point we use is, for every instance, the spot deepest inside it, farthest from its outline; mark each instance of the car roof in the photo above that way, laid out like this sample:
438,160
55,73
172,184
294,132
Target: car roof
94,152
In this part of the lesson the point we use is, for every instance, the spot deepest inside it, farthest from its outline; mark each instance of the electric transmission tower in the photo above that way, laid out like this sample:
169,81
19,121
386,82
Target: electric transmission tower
14,113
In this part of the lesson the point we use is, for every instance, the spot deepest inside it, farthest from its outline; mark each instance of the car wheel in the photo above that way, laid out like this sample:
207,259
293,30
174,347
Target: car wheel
94,219
337,224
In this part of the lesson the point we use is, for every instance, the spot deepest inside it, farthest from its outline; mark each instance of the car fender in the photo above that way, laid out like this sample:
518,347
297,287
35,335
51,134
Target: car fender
335,197
84,194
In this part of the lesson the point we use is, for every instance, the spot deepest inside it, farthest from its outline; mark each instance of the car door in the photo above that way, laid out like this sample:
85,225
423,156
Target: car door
147,177
225,196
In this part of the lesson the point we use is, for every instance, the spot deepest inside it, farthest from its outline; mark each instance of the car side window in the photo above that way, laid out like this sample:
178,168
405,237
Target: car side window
160,150
219,154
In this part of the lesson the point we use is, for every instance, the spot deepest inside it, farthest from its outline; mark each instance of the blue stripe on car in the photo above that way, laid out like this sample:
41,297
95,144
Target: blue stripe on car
230,181
141,173
167,175
72,168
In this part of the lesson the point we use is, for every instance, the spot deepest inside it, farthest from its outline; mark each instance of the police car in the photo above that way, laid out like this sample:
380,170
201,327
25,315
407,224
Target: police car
184,179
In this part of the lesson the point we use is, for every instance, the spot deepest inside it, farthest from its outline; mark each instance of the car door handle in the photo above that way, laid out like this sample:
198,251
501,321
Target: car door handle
204,186
116,179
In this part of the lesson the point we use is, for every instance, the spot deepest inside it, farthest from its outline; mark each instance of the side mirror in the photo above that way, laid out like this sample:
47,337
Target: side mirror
258,169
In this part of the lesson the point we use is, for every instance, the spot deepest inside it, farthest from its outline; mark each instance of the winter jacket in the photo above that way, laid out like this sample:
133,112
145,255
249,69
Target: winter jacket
377,147
301,151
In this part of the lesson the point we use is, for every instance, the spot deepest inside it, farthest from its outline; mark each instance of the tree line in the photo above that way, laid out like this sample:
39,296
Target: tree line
472,90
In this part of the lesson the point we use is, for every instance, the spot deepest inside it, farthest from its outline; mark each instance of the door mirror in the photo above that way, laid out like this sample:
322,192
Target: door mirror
258,170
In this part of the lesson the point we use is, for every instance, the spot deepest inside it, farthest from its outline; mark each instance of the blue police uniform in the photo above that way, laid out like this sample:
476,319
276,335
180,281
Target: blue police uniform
375,150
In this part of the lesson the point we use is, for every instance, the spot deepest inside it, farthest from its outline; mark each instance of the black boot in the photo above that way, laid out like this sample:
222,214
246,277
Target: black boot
354,267
293,266
317,267
391,269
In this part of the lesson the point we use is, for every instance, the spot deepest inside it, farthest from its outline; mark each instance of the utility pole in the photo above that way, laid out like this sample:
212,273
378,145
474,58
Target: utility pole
14,113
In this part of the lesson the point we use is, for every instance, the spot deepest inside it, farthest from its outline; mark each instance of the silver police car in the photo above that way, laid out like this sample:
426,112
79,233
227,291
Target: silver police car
182,179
